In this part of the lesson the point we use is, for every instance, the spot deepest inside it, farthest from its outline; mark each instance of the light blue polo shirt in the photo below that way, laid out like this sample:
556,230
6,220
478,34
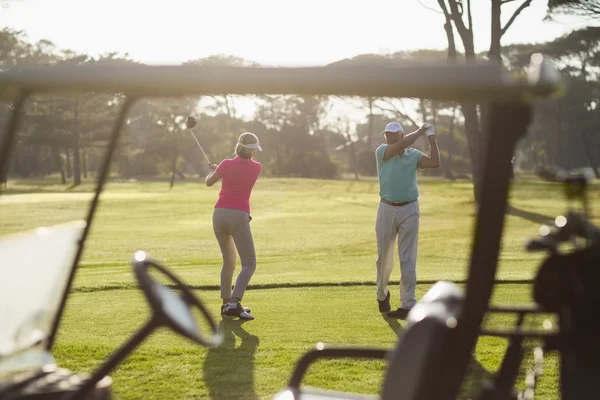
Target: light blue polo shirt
398,175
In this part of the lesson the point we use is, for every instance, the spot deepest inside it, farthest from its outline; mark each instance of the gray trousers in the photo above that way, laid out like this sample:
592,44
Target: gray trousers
401,222
232,229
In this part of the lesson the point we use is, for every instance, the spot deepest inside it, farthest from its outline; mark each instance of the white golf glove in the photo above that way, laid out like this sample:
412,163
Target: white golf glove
429,129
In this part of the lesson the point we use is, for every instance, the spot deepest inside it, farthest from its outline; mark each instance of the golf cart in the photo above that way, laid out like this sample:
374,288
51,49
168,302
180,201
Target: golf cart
564,286
431,358
35,276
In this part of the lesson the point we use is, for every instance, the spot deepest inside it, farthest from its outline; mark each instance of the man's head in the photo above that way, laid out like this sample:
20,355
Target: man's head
393,132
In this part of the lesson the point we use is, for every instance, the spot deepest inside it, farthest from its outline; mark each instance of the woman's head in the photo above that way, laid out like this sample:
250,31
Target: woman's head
247,145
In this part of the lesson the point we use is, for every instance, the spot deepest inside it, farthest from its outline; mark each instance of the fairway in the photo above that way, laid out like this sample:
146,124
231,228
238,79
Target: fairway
314,282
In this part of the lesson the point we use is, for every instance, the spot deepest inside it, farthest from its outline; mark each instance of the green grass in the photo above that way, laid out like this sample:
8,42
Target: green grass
312,238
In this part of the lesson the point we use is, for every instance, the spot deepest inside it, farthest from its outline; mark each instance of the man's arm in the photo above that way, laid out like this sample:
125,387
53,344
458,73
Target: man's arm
432,161
212,176
402,144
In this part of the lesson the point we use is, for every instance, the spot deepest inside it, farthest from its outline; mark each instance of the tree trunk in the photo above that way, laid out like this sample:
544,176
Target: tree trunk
469,110
58,163
473,129
125,168
44,161
36,159
16,163
449,173
423,109
76,165
371,144
68,162
495,53
84,163
351,152
421,143
495,46
452,56
173,171
353,161
474,144
76,149
173,163
587,151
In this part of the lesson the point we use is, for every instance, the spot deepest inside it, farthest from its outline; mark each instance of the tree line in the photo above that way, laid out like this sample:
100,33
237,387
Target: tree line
66,135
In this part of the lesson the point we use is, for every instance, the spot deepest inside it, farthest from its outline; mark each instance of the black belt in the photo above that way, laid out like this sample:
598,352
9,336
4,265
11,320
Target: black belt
397,204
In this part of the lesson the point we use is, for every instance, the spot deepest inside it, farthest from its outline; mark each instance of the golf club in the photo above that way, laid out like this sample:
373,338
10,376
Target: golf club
190,123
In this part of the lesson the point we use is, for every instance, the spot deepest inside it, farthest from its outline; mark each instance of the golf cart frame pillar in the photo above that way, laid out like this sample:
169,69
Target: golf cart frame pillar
507,124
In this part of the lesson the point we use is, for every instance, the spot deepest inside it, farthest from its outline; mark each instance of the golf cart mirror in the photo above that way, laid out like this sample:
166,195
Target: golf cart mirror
190,122
168,308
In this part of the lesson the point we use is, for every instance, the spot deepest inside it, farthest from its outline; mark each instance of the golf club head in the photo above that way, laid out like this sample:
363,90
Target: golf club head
190,122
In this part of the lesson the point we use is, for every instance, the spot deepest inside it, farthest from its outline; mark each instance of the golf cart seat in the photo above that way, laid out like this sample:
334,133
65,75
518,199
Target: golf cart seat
34,268
412,365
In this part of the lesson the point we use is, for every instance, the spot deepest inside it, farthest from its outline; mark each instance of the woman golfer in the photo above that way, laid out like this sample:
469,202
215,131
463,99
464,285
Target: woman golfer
231,221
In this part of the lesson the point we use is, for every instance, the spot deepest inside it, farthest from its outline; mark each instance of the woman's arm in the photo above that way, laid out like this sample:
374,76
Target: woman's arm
212,176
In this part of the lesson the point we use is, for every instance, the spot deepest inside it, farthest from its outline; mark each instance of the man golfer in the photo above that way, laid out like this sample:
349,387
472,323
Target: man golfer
398,212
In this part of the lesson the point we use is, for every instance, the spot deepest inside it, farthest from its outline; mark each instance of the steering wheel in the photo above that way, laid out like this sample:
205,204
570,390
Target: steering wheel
168,310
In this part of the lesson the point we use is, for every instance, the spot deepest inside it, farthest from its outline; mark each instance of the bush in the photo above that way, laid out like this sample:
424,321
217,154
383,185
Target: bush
320,165
314,163
143,164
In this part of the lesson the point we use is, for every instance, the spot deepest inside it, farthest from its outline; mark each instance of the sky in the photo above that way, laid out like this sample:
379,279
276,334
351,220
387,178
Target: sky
271,32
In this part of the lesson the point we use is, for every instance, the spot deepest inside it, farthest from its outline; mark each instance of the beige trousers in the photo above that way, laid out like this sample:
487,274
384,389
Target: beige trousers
402,223
232,229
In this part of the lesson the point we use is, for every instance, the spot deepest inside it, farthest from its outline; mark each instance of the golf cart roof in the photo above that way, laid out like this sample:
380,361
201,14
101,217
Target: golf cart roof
487,81
29,306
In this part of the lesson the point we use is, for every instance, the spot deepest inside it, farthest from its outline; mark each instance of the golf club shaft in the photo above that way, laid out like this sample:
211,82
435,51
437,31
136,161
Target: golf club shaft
201,149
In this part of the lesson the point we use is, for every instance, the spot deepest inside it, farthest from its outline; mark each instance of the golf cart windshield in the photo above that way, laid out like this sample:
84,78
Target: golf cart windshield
34,268
477,82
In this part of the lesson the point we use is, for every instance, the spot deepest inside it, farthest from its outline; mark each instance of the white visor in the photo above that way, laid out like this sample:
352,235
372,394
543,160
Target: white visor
251,146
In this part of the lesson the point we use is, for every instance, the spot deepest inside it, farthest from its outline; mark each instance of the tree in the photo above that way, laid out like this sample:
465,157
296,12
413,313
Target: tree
454,12
294,135
584,8
577,52
564,131
224,102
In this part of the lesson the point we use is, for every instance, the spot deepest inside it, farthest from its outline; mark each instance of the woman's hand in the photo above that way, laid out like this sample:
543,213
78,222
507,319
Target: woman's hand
212,177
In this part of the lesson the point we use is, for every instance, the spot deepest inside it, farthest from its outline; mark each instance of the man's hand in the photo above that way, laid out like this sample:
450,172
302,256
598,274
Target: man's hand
432,161
429,129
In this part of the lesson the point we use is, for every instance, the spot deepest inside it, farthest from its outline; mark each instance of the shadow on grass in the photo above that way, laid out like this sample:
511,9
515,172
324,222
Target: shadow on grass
394,326
530,216
229,369
476,375
474,381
